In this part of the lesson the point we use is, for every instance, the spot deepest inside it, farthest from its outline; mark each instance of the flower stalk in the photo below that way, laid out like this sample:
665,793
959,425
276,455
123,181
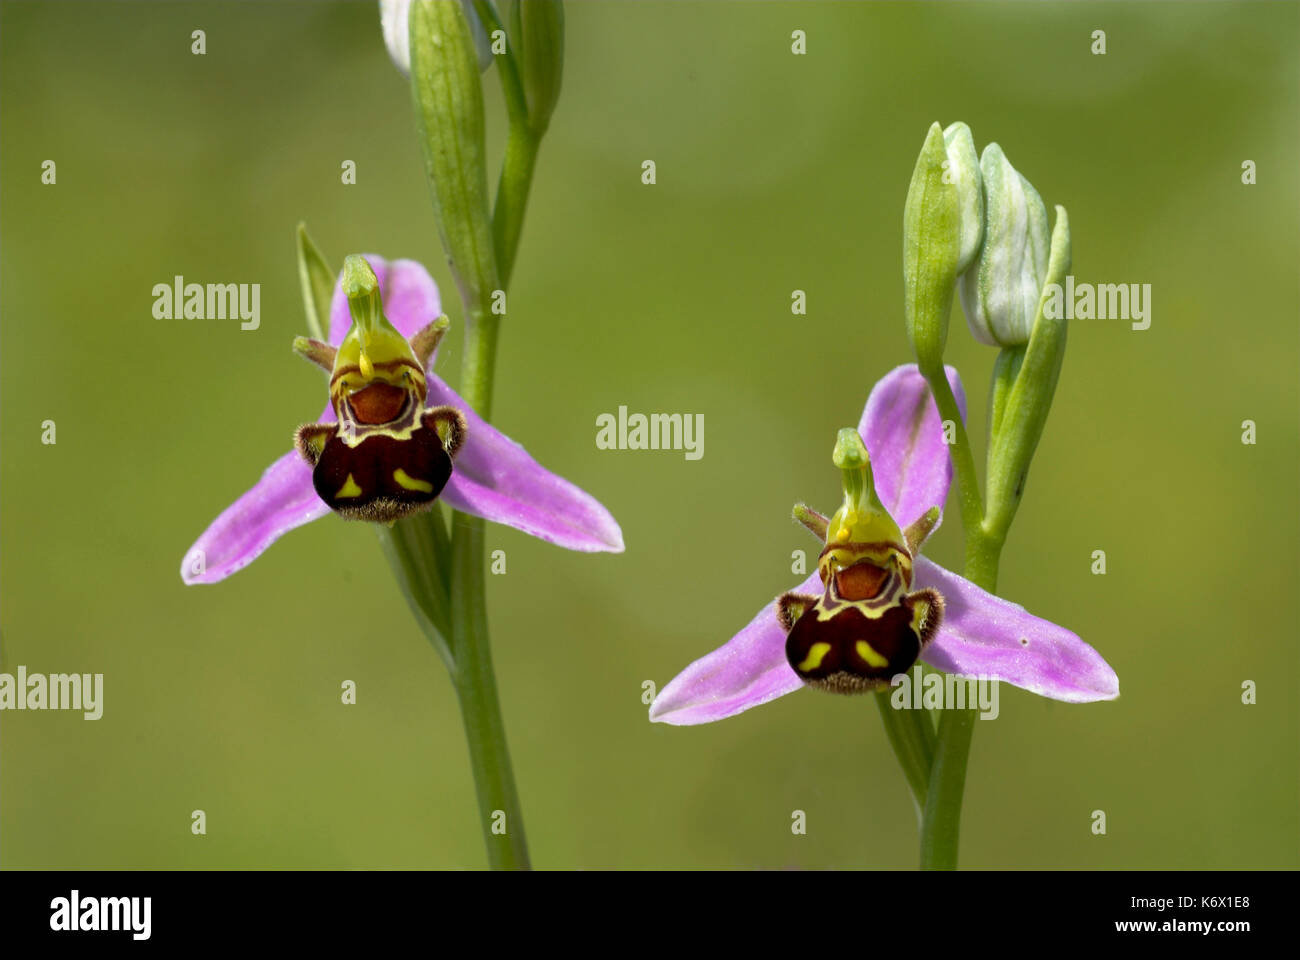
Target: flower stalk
876,605
941,816
1002,275
396,444
448,99
481,250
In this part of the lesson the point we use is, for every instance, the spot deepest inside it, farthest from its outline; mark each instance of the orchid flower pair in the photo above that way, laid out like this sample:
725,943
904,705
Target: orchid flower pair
871,571
383,335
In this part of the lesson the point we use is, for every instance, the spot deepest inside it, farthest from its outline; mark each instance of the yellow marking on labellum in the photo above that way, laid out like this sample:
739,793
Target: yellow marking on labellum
870,655
354,439
410,482
349,489
816,654
920,613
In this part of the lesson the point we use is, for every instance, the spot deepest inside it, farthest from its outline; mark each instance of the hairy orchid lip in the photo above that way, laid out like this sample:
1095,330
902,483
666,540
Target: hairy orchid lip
848,648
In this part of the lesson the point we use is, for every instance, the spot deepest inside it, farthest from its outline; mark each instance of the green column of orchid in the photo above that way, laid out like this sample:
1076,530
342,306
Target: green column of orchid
980,228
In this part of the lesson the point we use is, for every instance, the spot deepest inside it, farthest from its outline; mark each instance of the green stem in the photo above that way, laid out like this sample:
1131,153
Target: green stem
485,734
444,574
941,820
521,154
963,458
479,361
983,554
512,196
498,798
512,85
480,707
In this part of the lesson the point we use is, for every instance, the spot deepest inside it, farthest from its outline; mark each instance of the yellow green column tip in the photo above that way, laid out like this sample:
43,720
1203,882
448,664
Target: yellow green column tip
862,517
374,335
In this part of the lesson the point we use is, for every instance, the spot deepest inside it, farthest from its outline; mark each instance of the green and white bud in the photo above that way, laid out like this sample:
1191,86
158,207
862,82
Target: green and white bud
931,251
394,17
1024,383
448,95
943,225
1001,289
963,172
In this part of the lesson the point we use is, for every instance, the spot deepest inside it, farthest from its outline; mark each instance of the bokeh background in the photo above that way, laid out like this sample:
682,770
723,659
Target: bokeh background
775,172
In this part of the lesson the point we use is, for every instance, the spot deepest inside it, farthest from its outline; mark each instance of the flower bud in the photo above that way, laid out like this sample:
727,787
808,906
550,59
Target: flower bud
1000,291
932,242
963,171
394,19
539,29
448,97
1023,387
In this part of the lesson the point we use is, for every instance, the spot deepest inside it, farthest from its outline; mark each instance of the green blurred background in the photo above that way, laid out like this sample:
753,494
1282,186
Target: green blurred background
775,172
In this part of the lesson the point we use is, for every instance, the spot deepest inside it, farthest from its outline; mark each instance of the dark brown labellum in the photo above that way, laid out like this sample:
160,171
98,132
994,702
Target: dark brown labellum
844,642
382,478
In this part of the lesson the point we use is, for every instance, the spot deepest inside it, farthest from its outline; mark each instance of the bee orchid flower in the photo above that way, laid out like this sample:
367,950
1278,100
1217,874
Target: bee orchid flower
875,605
394,438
